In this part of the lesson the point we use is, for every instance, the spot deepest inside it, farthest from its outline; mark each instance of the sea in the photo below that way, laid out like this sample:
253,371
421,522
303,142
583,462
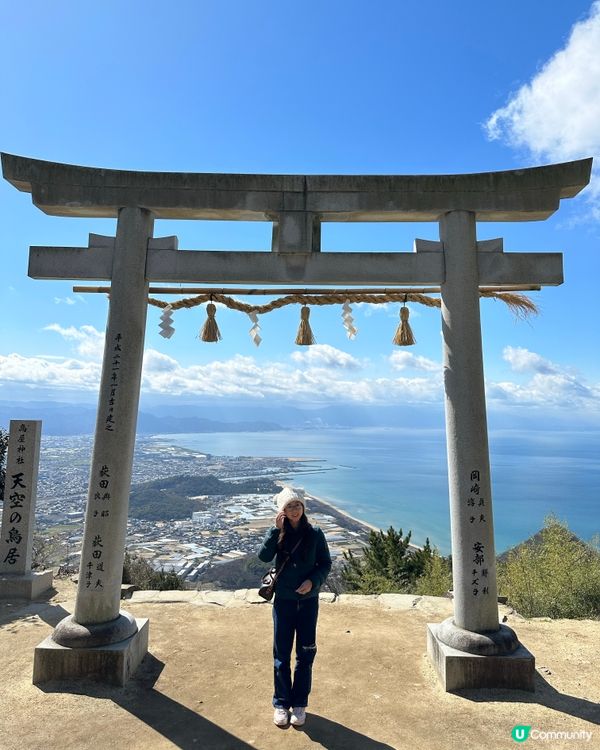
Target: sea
398,477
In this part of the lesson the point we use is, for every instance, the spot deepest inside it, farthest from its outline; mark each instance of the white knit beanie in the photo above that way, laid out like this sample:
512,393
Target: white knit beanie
290,495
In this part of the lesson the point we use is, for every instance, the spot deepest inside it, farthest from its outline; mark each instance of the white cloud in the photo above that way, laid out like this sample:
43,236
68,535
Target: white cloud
390,309
158,362
89,341
243,376
549,386
557,390
50,371
69,300
326,356
522,360
555,116
402,360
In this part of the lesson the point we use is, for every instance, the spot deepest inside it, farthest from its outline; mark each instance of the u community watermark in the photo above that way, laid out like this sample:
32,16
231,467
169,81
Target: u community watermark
523,732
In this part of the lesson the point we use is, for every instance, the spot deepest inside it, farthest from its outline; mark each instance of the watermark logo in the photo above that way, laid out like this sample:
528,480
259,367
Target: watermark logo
520,732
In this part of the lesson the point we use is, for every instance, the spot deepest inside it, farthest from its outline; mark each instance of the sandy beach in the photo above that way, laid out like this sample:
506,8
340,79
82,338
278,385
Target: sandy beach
325,506
344,518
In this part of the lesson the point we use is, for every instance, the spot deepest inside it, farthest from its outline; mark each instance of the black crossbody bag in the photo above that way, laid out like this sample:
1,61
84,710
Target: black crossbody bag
270,579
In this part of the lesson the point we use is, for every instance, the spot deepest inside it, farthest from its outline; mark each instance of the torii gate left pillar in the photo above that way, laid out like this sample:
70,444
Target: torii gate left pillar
111,641
471,649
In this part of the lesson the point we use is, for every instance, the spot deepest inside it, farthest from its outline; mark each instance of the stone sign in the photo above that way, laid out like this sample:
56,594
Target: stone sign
18,515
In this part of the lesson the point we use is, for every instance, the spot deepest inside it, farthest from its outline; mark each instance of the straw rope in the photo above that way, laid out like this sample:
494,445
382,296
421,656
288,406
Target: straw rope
519,304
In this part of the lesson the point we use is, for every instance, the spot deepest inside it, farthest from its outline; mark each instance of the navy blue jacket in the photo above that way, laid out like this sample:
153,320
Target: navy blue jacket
311,560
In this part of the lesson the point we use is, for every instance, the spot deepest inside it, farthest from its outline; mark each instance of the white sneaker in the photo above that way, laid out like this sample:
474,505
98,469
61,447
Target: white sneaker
298,716
281,717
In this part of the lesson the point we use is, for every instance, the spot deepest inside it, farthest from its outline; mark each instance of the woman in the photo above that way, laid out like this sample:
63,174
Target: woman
296,603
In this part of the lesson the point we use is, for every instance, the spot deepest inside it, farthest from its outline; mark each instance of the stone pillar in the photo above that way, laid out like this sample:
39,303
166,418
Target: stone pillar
474,629
18,516
97,620
473,553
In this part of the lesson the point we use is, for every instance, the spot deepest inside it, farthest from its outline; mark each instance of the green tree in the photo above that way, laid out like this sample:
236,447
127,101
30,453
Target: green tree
553,574
387,564
437,576
139,572
3,451
45,551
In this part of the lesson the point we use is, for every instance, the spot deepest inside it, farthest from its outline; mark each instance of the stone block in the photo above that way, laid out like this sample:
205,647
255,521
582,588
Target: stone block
252,597
177,597
459,670
221,598
127,590
25,585
328,597
398,601
359,600
146,596
113,664
438,606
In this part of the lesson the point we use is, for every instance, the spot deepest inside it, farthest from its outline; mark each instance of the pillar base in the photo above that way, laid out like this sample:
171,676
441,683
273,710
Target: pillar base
113,664
500,642
72,634
461,670
25,585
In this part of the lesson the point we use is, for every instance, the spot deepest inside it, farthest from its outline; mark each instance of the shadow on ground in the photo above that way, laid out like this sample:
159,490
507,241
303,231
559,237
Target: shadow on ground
544,695
335,736
12,612
183,727
187,729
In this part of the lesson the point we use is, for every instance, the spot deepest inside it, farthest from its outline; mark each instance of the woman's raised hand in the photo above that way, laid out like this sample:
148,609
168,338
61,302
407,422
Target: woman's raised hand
279,519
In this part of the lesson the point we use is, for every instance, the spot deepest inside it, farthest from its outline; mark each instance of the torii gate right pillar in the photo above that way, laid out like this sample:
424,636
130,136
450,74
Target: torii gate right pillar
471,649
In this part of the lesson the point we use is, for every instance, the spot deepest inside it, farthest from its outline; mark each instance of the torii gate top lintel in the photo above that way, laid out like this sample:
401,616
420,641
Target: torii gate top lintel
530,194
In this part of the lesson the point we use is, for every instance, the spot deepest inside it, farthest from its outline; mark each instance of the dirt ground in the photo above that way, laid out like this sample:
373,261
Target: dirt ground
208,678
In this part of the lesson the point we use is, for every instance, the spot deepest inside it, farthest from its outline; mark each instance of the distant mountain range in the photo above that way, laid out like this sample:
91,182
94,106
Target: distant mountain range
175,416
80,419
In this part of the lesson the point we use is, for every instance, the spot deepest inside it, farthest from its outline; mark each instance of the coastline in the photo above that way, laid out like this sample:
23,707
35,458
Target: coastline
524,464
326,505
339,512
341,516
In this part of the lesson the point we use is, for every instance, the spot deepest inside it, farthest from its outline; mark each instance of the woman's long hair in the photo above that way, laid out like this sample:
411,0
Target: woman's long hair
303,526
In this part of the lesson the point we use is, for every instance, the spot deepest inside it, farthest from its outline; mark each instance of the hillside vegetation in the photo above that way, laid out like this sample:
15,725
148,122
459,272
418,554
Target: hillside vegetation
170,499
553,574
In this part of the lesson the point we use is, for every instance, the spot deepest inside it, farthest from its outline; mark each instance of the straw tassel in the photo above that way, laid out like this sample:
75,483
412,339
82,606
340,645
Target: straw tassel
305,335
404,335
210,330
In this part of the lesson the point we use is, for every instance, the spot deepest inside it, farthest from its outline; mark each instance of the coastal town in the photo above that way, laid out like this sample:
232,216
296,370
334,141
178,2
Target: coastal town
223,528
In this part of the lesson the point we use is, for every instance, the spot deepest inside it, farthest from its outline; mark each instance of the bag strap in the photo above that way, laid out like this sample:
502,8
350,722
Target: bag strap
282,566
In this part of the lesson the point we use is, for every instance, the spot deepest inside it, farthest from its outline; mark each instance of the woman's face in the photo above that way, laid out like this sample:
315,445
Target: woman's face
293,511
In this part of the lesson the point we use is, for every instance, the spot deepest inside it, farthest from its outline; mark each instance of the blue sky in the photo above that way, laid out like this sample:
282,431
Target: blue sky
321,88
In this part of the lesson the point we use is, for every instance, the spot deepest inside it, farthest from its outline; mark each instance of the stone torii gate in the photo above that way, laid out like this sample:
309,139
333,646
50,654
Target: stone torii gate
471,649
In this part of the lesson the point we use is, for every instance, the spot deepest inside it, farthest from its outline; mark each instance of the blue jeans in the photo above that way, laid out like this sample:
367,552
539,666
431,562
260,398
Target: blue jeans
291,618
